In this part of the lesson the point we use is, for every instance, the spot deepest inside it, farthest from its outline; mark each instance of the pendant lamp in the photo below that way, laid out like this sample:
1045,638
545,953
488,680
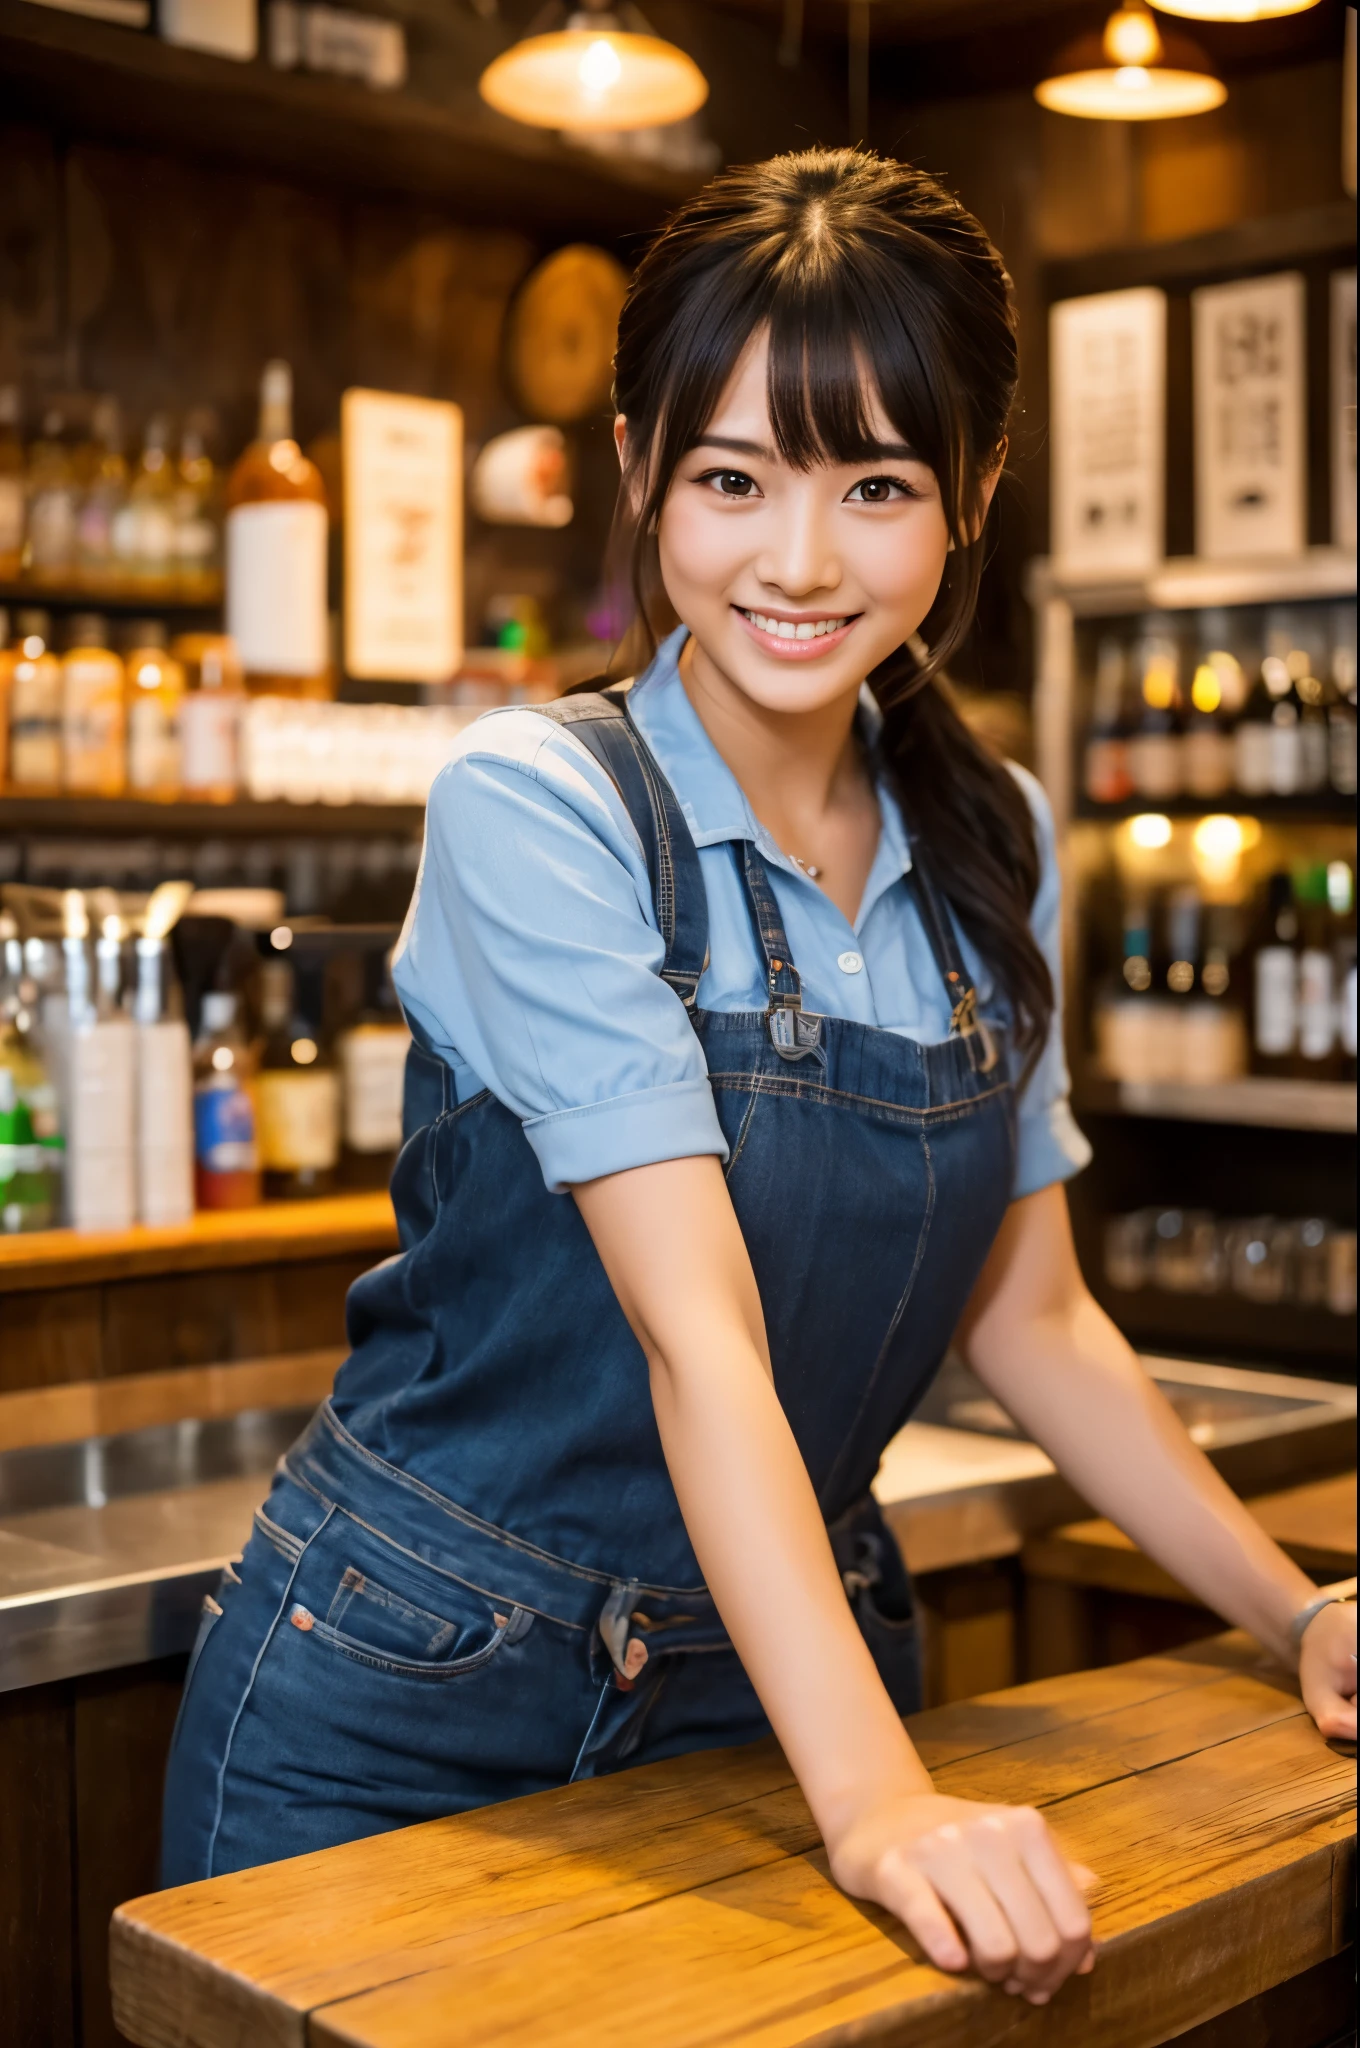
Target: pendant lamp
600,69
1234,10
1131,73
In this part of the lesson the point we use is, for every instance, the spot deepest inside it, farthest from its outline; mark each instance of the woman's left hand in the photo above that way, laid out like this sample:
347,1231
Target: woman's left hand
1327,1670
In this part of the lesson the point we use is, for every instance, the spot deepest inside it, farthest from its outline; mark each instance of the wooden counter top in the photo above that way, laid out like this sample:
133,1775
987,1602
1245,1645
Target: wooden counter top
689,1903
275,1233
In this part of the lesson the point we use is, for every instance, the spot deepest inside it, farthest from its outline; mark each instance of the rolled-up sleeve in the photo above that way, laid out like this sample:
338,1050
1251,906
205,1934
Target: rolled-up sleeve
531,960
1049,1146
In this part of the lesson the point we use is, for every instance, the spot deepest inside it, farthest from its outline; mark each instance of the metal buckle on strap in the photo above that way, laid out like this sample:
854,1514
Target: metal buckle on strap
793,1034
964,1022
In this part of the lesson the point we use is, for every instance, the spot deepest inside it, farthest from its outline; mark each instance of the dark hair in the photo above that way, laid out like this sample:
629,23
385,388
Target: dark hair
851,262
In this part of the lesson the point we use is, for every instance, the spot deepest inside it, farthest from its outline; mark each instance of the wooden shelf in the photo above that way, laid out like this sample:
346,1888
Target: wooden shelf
276,1233
1264,244
133,817
1325,808
123,604
1189,583
1228,1326
1257,1102
87,78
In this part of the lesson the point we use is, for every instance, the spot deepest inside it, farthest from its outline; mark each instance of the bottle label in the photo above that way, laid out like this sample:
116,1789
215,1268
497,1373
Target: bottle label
1317,1004
373,1062
276,587
1277,1001
299,1119
210,733
94,722
1251,745
153,744
11,514
224,1130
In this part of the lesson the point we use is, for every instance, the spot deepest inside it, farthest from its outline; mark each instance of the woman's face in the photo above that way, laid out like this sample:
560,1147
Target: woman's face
795,584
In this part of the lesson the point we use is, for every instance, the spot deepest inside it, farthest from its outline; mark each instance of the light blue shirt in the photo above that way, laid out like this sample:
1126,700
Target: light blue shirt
530,959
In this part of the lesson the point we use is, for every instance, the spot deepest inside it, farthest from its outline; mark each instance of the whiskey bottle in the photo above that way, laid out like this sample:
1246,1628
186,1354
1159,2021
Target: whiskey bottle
276,531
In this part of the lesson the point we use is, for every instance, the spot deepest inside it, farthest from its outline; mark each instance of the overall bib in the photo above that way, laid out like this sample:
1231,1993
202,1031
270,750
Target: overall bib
471,1579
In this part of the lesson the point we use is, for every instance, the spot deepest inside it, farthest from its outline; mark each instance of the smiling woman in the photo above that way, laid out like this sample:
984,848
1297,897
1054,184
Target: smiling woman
594,1485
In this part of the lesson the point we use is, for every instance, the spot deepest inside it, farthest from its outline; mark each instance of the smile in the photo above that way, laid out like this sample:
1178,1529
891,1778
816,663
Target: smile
797,637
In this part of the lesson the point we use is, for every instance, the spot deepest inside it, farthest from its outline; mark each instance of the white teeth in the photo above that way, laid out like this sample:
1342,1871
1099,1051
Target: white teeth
788,629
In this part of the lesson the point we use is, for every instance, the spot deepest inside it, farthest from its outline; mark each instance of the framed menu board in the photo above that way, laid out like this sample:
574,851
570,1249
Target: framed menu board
1108,408
1343,408
1250,422
403,468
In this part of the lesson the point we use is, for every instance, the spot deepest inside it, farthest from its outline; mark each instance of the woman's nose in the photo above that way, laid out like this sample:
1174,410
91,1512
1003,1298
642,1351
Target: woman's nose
798,556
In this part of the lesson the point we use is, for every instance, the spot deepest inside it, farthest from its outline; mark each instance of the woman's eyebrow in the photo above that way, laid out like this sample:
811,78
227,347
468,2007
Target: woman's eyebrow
896,451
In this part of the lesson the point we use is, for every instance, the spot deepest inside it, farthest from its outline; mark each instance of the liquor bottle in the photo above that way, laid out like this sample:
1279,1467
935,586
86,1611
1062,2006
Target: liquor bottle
53,499
210,717
1275,1014
144,534
98,1079
372,1055
94,749
226,1152
30,1163
1106,776
198,526
1252,736
1215,694
102,502
1317,1048
1310,681
276,532
1341,711
165,1083
1341,902
35,708
1156,758
298,1092
155,693
13,494
1286,735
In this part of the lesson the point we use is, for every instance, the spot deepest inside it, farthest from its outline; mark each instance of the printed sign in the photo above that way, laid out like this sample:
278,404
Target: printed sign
1343,408
1250,463
1108,382
403,461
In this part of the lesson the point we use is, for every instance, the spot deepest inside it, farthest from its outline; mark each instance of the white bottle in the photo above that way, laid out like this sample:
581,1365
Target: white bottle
165,1094
99,1087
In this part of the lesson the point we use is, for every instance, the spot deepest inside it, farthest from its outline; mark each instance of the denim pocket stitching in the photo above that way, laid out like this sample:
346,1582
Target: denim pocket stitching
360,1653
354,1583
287,1545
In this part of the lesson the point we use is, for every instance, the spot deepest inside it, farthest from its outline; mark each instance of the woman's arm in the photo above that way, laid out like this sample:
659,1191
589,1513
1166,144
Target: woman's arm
671,1245
1052,1357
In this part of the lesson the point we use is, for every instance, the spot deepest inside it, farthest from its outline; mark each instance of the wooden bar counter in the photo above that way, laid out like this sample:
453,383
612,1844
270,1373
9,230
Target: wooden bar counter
689,1903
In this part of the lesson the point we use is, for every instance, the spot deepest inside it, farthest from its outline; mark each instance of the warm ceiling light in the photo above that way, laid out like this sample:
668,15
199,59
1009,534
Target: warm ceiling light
1131,73
599,71
1234,10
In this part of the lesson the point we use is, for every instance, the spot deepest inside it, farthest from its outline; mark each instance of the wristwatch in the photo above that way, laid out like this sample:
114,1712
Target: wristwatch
1310,1612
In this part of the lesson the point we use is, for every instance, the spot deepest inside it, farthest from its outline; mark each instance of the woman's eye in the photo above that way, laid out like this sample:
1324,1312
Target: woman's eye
879,490
730,483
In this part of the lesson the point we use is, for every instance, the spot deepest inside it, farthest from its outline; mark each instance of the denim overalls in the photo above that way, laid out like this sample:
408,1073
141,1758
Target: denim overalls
471,1579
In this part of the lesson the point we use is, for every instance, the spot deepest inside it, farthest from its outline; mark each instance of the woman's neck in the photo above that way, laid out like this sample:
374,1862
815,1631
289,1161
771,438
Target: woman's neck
803,774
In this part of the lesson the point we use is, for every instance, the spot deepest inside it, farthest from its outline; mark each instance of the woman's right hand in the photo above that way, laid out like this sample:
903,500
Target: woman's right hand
979,1884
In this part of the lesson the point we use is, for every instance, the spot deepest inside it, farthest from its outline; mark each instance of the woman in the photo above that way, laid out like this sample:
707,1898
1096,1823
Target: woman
739,996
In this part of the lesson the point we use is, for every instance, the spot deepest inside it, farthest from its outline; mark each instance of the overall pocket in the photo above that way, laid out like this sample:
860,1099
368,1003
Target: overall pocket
372,1604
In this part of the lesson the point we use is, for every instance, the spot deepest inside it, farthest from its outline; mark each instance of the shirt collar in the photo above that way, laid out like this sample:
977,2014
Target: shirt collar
709,794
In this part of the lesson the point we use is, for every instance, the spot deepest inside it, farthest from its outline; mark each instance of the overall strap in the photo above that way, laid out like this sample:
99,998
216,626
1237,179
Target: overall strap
601,721
964,1021
794,1034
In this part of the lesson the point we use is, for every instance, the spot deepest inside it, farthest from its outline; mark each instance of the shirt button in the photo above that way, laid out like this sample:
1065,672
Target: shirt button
850,963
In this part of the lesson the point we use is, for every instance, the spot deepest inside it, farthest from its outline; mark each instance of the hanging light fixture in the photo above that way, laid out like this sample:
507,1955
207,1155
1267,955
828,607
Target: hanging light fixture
601,69
1234,10
1131,73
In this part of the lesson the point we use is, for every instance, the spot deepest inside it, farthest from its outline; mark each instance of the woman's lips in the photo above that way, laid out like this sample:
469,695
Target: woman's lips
791,648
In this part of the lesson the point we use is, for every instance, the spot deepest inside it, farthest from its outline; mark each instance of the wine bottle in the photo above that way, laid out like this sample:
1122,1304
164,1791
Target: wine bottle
298,1091
1275,1014
1156,756
1106,776
276,554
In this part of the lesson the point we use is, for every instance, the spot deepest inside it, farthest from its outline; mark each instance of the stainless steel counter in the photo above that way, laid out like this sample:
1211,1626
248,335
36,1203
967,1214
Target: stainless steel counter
108,1546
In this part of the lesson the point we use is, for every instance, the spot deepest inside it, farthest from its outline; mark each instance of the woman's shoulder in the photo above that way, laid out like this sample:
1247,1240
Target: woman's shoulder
516,757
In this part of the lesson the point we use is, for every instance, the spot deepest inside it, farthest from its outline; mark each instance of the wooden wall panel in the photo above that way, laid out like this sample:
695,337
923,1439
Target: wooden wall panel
203,1318
51,1338
37,1963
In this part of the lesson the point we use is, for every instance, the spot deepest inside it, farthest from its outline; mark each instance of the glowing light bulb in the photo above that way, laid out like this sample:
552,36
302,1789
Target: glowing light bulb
1132,78
1149,830
599,68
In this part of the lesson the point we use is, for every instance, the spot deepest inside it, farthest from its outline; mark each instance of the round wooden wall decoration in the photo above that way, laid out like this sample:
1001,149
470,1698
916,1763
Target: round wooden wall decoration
560,334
